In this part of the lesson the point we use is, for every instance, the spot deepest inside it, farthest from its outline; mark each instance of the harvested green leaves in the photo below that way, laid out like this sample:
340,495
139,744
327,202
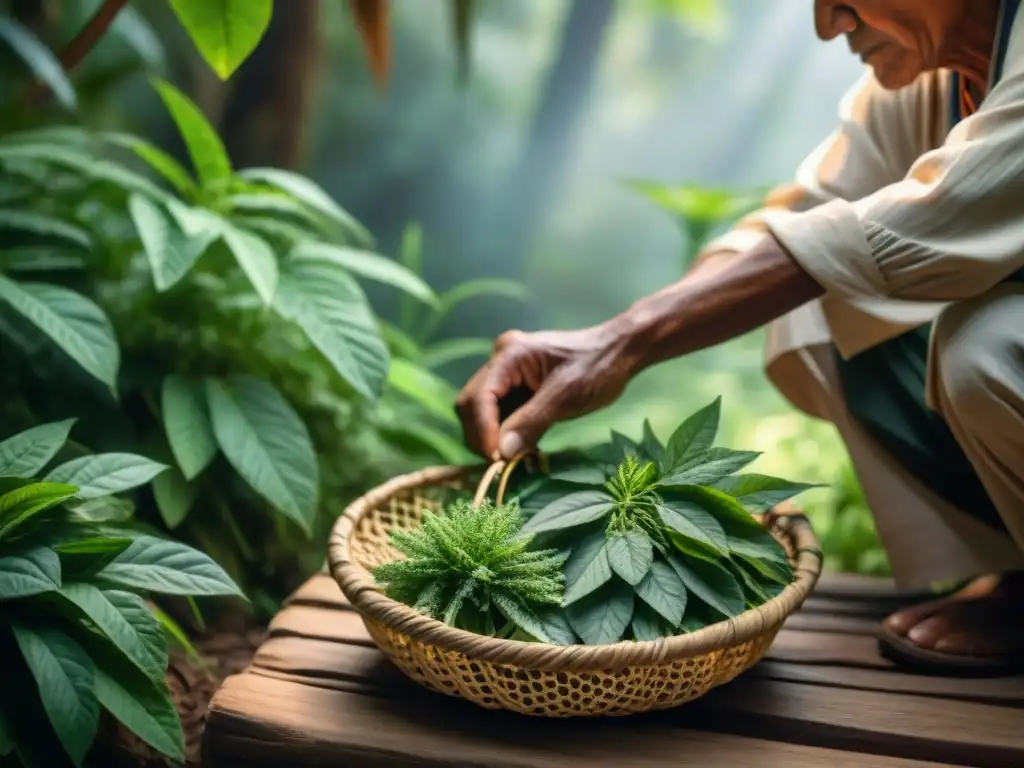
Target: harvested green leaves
471,568
656,540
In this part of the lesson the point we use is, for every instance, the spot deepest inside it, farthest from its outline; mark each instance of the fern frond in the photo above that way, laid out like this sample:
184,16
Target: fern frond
466,563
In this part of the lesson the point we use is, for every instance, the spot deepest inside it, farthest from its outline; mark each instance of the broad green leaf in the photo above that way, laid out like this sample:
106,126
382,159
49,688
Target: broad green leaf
308,192
570,511
19,506
224,31
630,556
170,251
760,545
431,392
693,437
761,490
81,558
39,258
204,145
691,519
732,516
778,571
370,265
158,160
174,497
267,444
556,626
105,509
174,632
648,625
25,454
169,568
453,350
73,322
187,424
587,568
29,573
712,583
105,474
39,59
521,615
664,591
331,309
695,548
752,592
43,225
145,709
579,469
127,622
602,617
257,260
65,676
479,288
650,444
278,206
625,447
715,465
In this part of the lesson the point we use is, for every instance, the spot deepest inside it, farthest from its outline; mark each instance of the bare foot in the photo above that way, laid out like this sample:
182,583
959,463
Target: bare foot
984,619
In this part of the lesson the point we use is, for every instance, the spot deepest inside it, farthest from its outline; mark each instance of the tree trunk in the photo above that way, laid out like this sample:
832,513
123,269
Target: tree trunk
522,202
265,114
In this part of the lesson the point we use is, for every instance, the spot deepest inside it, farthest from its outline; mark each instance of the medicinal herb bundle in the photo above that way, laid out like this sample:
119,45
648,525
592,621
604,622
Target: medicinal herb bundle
627,541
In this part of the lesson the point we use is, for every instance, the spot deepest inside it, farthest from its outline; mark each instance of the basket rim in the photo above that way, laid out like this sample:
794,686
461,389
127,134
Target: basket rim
368,599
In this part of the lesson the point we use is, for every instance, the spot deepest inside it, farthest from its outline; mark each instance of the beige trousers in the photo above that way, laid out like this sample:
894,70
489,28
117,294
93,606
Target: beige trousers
978,356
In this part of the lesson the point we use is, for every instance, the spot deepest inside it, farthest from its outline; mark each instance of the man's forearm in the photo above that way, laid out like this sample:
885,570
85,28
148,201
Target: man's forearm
713,303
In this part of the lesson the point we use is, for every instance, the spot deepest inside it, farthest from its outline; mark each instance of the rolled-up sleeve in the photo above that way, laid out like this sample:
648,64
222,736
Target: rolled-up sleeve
878,137
950,229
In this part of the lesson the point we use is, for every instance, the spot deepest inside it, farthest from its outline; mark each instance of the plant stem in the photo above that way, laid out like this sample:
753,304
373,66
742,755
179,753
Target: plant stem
82,43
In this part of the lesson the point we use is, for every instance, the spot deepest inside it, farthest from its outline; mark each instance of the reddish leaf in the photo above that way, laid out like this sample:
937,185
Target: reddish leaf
372,17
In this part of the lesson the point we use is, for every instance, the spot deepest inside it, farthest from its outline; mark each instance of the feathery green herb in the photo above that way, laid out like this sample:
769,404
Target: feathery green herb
472,568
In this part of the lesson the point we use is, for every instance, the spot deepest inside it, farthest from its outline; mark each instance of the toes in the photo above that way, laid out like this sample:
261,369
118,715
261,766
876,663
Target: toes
927,633
901,622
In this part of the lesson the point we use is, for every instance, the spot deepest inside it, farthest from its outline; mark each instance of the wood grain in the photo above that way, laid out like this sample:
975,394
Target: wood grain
312,727
320,693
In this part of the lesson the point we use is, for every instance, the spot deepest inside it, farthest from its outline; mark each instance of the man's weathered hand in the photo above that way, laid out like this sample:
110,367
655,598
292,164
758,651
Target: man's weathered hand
560,374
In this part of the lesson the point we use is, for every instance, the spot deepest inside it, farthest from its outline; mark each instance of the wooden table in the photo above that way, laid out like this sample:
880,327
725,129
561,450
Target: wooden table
319,693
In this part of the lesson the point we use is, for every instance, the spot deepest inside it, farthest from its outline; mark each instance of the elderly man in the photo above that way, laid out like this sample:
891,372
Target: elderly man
891,276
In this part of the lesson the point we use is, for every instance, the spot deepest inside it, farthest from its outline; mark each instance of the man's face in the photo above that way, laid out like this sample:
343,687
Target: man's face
899,39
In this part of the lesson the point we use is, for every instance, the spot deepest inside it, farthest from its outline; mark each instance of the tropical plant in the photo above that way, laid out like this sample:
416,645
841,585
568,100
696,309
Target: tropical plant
77,633
701,212
224,315
418,405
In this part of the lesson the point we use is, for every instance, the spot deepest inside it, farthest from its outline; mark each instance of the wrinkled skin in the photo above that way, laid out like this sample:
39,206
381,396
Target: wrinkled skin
572,373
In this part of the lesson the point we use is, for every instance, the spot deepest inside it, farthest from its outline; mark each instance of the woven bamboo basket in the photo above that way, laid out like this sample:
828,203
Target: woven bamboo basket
536,678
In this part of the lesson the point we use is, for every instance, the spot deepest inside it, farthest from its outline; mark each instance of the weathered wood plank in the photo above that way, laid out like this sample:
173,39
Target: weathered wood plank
260,721
1001,691
892,724
904,725
805,621
292,661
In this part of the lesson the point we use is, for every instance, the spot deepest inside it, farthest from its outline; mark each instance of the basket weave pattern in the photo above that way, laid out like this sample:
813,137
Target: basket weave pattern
539,679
